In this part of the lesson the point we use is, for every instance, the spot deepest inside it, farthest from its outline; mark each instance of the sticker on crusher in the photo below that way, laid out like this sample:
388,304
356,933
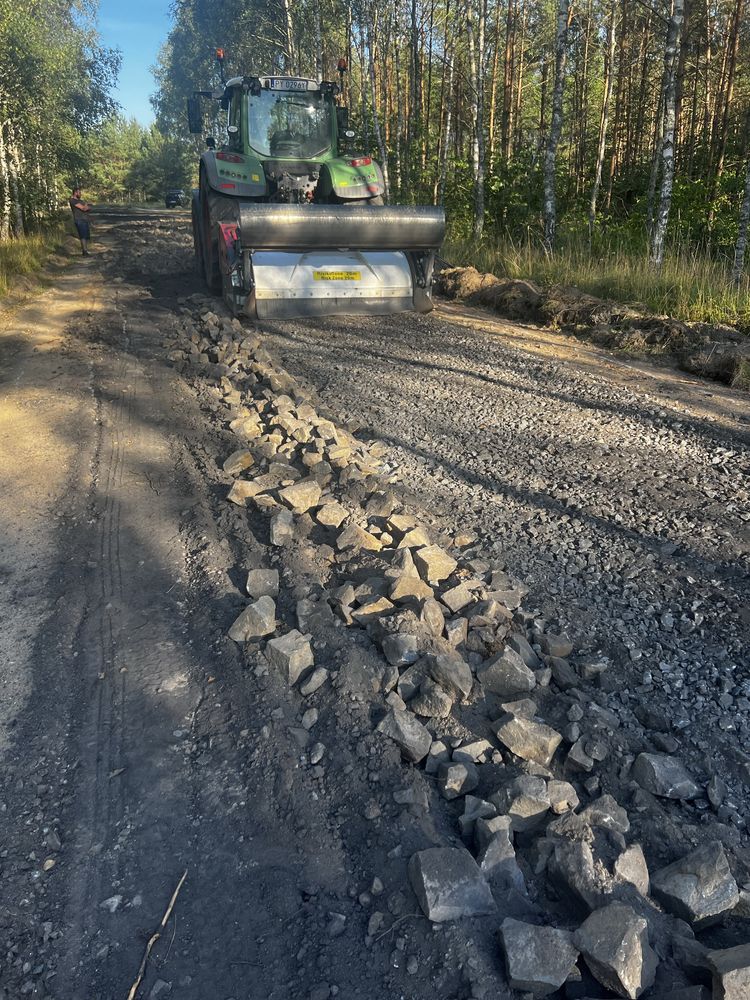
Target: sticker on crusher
337,275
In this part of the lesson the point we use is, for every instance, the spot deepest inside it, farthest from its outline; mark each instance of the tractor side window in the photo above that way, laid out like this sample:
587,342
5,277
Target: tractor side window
234,118
290,125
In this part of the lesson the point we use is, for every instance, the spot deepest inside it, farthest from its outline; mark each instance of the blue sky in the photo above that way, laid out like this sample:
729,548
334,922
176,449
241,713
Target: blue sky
138,28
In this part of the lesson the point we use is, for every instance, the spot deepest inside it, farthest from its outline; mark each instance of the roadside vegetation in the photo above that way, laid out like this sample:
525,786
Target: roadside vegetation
598,144
27,254
690,285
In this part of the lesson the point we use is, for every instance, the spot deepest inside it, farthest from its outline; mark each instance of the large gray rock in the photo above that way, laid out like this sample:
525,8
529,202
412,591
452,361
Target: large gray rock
401,649
301,496
698,888
291,654
572,870
525,799
521,646
453,674
262,583
631,867
614,942
258,619
282,527
495,854
665,776
731,973
434,564
538,959
449,885
456,779
527,739
507,675
237,462
556,645
406,731
431,701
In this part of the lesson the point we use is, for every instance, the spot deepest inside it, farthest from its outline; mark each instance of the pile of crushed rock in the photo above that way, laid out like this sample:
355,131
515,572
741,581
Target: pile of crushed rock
709,350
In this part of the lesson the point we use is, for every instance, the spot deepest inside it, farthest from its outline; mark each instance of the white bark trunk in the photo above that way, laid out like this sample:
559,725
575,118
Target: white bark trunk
550,155
477,55
447,133
318,43
609,73
15,172
741,245
375,116
674,31
289,25
5,199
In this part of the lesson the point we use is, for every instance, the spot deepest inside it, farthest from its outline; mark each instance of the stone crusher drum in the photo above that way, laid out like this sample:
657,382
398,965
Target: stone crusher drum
320,260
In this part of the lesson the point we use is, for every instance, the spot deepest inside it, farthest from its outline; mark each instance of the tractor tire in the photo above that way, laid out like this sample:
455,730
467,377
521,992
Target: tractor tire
214,209
195,218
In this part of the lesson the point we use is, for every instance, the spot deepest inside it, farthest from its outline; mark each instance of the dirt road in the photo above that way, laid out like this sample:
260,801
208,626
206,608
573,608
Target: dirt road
137,744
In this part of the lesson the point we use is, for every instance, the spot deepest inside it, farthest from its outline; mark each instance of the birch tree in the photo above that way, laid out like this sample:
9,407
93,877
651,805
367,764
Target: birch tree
477,53
550,155
741,246
609,62
674,30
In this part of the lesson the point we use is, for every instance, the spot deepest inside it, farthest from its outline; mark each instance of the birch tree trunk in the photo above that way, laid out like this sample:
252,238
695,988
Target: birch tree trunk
674,31
550,155
375,113
318,43
733,49
440,194
476,40
609,64
15,171
741,245
5,199
289,27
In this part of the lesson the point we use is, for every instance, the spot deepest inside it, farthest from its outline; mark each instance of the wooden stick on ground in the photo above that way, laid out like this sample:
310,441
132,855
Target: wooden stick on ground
154,938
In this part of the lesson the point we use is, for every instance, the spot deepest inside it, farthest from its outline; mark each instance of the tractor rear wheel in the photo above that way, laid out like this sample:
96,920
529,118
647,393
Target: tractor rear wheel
214,209
195,218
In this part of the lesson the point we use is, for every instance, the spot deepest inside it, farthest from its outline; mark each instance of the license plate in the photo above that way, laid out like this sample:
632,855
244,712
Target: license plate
337,275
283,84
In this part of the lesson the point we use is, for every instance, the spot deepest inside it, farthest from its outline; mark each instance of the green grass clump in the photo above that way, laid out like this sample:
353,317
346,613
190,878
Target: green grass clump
690,285
27,254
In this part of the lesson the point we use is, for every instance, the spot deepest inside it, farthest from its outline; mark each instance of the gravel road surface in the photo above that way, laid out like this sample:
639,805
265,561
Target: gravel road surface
138,743
618,494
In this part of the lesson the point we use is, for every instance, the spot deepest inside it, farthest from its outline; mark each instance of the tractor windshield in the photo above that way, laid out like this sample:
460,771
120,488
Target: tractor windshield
290,125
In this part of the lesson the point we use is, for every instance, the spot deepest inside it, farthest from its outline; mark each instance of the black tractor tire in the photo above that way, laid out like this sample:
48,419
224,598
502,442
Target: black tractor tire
215,208
195,218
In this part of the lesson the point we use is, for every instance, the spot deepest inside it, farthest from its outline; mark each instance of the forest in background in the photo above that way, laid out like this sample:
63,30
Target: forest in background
599,142
603,141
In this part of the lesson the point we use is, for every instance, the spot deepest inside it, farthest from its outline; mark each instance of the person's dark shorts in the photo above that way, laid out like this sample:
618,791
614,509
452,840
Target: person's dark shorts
84,230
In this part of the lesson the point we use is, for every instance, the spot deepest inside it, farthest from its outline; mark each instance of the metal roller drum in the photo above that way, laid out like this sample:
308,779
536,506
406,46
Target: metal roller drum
355,227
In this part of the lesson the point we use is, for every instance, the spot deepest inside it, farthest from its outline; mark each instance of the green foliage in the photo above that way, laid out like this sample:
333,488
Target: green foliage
27,254
689,286
161,163
55,79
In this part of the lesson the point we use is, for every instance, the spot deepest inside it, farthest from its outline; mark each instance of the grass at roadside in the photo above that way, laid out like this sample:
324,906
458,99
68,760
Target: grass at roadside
689,286
26,255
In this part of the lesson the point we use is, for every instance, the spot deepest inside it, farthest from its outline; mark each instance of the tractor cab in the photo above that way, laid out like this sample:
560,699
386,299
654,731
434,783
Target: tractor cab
284,118
287,221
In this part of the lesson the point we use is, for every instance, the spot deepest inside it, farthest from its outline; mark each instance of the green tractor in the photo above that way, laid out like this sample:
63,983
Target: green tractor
288,222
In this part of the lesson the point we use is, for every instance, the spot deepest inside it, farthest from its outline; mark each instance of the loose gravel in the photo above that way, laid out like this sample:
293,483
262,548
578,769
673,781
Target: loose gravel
629,521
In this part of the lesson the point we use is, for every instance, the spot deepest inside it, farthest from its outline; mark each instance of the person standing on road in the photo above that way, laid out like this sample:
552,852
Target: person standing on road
80,209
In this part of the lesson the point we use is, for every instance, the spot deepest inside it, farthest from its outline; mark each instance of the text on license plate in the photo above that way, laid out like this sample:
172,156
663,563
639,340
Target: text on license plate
337,275
285,84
